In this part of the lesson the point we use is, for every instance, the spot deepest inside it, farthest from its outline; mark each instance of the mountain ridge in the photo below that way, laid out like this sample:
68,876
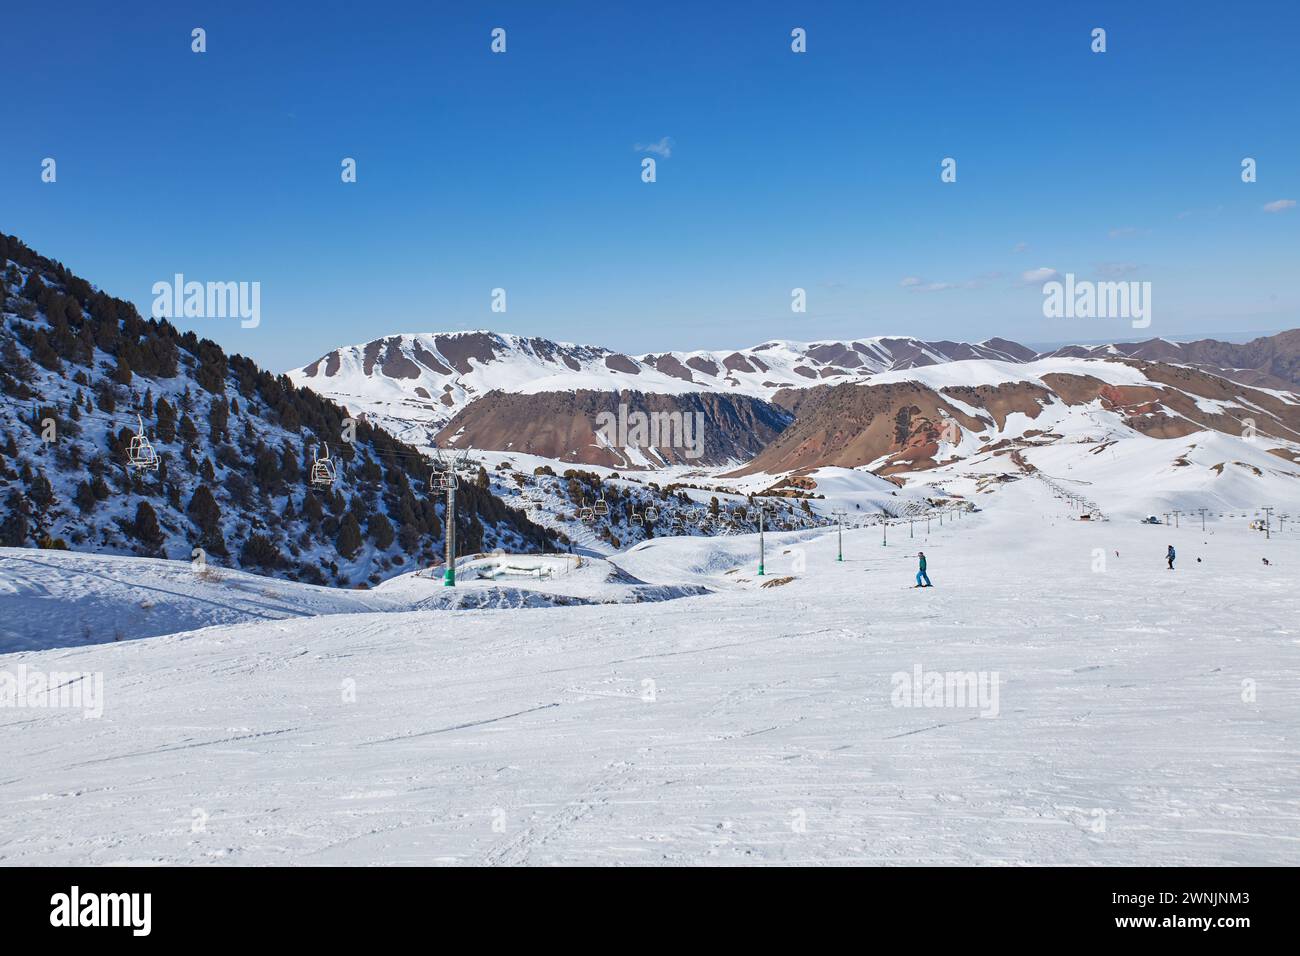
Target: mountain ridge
508,392
415,383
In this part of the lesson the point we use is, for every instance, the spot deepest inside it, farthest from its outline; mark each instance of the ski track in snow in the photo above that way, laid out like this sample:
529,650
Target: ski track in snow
738,726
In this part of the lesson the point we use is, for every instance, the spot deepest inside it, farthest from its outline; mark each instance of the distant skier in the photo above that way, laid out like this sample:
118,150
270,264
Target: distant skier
920,574
1169,556
1266,560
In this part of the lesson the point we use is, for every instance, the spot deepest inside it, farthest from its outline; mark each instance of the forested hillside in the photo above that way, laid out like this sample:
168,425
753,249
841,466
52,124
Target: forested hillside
235,447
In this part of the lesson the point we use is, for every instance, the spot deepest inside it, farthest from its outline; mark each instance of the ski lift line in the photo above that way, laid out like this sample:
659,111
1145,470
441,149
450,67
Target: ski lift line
142,455
60,414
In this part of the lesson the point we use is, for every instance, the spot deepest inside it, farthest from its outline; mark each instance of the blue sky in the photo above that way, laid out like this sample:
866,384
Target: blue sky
520,170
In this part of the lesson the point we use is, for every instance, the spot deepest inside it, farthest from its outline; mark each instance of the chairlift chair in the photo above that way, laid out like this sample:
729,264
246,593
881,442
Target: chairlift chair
322,469
141,452
651,513
441,479
600,508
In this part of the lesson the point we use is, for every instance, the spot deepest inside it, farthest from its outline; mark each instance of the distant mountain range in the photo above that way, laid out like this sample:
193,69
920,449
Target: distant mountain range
1270,362
511,393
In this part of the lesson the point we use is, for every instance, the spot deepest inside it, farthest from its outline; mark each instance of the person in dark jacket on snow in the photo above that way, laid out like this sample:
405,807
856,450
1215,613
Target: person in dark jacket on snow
1169,556
920,574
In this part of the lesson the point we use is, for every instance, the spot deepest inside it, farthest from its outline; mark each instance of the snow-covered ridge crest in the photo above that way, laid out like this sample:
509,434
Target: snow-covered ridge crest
414,383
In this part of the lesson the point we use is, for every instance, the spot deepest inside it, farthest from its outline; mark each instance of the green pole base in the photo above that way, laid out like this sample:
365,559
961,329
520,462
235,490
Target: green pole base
760,569
839,557
449,578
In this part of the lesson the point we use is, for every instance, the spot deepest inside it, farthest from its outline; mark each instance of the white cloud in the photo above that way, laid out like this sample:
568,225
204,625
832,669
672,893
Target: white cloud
1124,232
1039,276
664,147
1279,205
1020,247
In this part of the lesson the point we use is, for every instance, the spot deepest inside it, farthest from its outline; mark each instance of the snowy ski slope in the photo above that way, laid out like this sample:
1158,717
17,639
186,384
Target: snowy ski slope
1143,716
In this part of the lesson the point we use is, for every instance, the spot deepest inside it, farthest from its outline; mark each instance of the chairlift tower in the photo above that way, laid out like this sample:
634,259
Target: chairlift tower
1268,521
449,573
839,517
444,479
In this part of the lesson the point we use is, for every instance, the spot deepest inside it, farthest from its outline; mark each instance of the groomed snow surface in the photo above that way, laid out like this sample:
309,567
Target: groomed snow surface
1143,716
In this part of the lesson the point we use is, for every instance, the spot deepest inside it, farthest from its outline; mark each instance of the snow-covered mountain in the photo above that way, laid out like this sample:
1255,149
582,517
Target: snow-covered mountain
81,372
881,404
1181,433
413,384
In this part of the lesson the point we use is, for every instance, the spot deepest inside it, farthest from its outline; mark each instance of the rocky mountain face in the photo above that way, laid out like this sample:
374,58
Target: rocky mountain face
623,429
83,376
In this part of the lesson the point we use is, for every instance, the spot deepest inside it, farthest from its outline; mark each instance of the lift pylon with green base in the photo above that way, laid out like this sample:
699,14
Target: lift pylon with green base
449,575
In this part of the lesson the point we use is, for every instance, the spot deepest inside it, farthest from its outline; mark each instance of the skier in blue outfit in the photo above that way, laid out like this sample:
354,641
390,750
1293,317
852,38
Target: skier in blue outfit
1169,556
921,575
